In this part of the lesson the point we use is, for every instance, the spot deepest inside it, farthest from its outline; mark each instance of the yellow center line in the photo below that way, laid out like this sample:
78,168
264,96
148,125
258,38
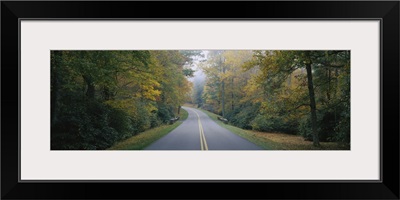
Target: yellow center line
203,142
200,131
204,137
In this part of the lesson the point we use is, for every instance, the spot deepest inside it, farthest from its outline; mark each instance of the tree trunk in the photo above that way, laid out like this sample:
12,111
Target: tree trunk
328,92
312,105
233,103
90,87
106,93
223,99
336,84
335,91
223,89
289,84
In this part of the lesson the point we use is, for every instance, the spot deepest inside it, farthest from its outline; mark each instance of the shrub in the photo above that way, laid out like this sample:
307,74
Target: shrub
326,124
243,115
120,122
89,124
263,122
154,120
343,128
305,129
165,113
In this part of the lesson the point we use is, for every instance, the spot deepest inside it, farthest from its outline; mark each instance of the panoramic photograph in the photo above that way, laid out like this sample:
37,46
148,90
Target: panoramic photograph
200,100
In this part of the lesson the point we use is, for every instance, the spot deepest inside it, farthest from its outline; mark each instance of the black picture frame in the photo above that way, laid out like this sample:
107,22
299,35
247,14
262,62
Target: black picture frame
386,11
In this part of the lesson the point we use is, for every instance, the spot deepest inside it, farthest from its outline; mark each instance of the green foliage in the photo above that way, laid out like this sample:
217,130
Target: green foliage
140,118
101,97
165,113
275,91
305,128
262,123
154,120
243,115
142,140
120,122
327,124
332,127
89,125
343,128
188,72
268,123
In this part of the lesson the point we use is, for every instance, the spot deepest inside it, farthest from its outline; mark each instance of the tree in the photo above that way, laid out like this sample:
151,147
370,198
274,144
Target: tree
214,88
100,97
278,68
308,63
234,74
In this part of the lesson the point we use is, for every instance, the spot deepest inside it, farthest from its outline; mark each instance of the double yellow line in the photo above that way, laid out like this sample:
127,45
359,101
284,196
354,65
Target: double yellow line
203,142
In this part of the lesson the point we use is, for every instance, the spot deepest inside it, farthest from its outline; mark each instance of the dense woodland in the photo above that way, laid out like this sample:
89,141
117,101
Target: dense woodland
296,92
101,97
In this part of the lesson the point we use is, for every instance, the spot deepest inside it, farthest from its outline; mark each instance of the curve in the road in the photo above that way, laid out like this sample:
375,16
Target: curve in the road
212,136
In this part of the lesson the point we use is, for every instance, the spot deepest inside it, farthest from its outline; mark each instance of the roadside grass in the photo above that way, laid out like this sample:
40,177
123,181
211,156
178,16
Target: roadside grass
183,115
275,141
144,139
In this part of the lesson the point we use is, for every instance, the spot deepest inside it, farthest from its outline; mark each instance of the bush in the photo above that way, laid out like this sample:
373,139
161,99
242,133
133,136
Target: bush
261,123
208,107
154,120
243,115
267,124
305,129
84,123
343,128
274,124
327,125
140,118
165,113
89,124
120,122
93,129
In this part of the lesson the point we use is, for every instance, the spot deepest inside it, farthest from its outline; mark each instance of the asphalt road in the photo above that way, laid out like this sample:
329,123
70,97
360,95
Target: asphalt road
200,132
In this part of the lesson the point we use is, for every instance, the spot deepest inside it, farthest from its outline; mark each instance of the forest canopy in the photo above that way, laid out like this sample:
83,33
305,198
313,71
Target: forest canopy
296,92
101,97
